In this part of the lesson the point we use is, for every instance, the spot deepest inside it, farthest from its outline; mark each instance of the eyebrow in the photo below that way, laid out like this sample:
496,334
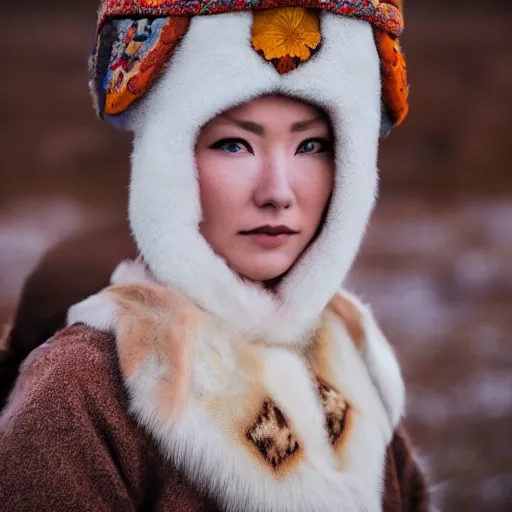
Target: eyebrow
258,129
301,126
250,126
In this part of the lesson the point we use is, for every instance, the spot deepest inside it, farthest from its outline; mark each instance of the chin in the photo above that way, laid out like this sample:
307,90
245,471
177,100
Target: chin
264,270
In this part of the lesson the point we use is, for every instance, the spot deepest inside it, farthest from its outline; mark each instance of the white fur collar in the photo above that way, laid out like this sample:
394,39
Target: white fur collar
259,428
214,69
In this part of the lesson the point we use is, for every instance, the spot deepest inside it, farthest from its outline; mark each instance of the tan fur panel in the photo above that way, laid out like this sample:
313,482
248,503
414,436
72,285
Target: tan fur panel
159,323
351,317
242,384
320,354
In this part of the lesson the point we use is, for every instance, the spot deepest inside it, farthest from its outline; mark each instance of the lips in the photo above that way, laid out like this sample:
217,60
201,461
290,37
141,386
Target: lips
270,230
270,237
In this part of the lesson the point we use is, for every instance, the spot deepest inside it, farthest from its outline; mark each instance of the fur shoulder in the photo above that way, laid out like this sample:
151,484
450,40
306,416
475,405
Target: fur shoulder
376,351
262,427
77,362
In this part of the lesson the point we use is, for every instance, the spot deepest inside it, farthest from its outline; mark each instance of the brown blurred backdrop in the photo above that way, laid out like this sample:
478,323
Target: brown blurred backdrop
437,261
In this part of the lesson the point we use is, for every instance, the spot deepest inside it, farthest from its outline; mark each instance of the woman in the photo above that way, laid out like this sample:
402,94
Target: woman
227,370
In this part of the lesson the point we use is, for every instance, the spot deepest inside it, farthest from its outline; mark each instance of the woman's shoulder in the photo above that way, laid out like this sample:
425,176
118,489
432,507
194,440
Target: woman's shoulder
65,344
77,365
73,353
67,439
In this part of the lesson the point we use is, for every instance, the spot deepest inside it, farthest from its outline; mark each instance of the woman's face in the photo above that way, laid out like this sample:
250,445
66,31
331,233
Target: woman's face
265,176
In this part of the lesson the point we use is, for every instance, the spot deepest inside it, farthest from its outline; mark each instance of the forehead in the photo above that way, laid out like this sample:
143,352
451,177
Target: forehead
269,103
272,113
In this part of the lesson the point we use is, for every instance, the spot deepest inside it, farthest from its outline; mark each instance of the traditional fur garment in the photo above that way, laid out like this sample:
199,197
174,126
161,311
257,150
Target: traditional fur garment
260,427
69,444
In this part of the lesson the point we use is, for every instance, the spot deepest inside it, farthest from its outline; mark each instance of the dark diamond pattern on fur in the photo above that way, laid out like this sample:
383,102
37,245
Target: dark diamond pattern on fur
272,435
336,410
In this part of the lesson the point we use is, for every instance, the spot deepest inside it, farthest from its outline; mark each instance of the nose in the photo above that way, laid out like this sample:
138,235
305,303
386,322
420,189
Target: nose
274,189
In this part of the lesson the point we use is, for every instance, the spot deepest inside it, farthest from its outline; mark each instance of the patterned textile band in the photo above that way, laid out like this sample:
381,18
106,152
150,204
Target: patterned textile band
384,14
136,38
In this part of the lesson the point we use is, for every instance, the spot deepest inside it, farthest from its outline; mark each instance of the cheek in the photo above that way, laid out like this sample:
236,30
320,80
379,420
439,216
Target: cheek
211,190
314,189
221,193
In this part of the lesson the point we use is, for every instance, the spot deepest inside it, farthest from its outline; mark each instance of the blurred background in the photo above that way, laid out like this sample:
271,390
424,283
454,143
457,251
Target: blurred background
437,261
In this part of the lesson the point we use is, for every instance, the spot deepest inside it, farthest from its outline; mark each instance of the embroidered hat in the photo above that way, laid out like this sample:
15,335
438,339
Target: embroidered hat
136,38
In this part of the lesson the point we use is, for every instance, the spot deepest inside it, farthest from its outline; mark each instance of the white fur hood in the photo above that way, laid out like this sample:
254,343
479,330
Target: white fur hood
343,78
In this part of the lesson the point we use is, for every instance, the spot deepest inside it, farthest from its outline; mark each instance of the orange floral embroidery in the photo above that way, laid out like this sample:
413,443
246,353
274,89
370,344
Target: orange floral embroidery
286,31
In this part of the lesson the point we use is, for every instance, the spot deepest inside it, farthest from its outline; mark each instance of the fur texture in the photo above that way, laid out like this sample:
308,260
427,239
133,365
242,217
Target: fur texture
343,78
255,424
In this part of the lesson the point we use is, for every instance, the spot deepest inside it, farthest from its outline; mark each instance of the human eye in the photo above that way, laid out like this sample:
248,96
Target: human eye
315,145
233,146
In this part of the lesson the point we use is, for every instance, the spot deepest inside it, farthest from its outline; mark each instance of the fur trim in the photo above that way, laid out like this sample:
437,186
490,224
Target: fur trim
344,79
259,427
379,357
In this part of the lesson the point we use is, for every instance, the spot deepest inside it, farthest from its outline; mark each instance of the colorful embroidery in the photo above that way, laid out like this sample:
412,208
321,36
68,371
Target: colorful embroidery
395,90
288,31
381,13
286,36
141,35
142,47
336,410
272,435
